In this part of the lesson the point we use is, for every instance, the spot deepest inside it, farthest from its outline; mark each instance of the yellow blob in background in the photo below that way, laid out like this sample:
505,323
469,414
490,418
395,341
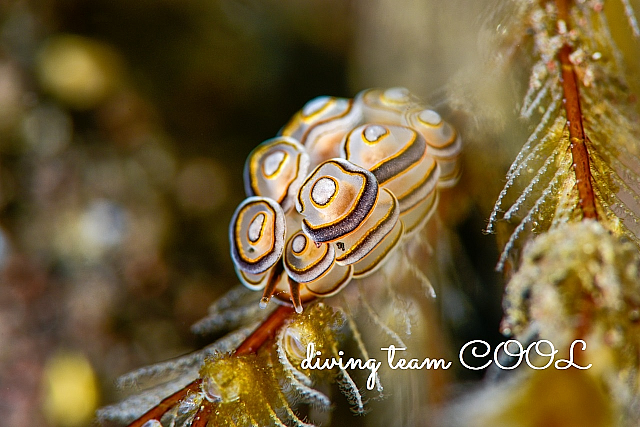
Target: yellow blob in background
70,389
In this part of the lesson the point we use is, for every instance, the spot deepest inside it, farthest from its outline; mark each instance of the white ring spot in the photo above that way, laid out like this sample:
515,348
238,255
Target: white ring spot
323,190
299,243
430,117
374,132
211,390
397,94
315,105
293,343
272,162
255,228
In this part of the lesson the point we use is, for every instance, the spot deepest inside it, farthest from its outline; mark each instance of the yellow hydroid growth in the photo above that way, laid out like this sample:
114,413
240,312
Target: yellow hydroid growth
265,388
578,269
245,389
555,398
578,281
317,327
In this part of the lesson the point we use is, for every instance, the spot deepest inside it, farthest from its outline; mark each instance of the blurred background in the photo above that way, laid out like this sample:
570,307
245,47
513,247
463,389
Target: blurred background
123,132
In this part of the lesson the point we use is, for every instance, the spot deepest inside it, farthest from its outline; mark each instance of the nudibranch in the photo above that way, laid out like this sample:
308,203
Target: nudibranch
340,187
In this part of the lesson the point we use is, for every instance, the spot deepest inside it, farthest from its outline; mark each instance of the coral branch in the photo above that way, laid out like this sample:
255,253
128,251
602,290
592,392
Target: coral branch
167,403
202,417
265,331
577,137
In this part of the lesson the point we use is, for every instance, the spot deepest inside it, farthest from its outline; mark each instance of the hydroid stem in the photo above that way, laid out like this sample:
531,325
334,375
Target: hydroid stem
577,137
167,403
265,331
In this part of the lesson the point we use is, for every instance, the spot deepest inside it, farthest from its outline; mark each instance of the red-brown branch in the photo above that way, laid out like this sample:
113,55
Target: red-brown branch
202,416
577,137
167,403
265,331
251,344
